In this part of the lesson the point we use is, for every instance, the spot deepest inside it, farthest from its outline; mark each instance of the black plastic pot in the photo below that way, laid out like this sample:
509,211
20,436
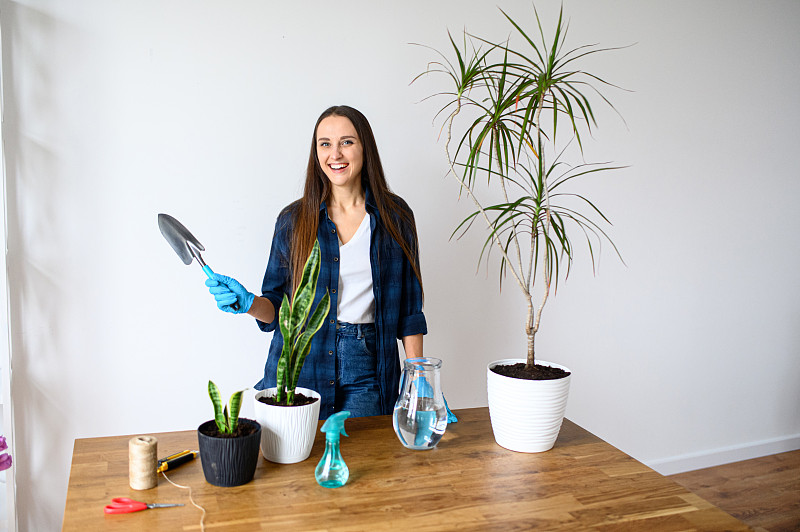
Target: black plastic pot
229,462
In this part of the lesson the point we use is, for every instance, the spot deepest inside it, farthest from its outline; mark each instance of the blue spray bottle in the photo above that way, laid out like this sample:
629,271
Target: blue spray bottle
331,471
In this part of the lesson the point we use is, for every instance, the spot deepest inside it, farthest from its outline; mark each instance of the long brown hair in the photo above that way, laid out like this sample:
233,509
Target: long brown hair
318,188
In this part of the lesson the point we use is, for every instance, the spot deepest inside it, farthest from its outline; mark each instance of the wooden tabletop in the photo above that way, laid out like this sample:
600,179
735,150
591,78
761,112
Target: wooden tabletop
467,483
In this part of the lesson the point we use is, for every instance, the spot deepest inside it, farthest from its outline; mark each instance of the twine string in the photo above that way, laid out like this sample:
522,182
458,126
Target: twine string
143,462
143,469
191,499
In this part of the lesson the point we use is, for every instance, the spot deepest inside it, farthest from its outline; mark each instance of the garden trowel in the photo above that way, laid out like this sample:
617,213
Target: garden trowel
184,243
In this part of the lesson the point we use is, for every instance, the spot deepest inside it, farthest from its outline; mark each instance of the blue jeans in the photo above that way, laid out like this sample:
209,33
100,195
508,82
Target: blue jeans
357,388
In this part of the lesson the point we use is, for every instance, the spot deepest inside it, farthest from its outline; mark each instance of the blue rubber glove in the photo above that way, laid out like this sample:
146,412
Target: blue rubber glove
427,419
227,291
424,389
451,417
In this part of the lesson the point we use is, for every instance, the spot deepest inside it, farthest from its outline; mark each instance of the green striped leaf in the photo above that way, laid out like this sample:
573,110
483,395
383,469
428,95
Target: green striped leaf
219,415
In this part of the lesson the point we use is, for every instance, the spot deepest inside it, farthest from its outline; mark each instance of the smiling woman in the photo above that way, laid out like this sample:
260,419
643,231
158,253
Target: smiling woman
369,266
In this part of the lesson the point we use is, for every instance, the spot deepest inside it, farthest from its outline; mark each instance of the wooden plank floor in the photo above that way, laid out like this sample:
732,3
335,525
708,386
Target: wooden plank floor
763,492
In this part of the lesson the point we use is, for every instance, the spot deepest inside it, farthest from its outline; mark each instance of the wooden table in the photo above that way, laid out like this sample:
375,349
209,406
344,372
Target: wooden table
467,483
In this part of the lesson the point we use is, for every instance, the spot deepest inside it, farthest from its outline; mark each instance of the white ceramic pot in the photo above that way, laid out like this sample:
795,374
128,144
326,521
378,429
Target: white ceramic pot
287,432
526,415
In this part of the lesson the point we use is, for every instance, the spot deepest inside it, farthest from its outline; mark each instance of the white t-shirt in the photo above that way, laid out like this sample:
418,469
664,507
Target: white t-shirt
356,303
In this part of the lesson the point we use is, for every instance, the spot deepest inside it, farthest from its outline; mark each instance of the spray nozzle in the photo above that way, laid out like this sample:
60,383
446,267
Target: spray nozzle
334,425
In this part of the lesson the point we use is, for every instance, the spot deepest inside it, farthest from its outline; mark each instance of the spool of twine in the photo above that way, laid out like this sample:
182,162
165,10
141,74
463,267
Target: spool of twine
143,462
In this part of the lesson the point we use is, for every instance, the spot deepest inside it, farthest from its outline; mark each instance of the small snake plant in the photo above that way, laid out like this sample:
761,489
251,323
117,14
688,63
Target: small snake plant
297,328
226,418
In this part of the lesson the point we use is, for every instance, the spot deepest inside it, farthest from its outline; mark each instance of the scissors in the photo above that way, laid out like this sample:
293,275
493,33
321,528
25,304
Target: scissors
124,505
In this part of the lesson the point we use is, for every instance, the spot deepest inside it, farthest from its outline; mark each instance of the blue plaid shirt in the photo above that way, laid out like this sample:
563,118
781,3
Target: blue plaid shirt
398,305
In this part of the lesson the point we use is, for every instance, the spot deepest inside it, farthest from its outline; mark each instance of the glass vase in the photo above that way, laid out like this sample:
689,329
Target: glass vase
420,415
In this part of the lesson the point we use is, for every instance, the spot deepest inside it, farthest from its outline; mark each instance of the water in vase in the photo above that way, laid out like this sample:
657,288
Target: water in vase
421,426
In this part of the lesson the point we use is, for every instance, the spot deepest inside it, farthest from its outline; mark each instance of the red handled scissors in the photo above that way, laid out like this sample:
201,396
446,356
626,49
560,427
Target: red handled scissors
124,505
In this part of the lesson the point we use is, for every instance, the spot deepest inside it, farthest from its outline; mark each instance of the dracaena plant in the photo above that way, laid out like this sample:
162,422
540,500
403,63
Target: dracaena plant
298,329
226,417
515,119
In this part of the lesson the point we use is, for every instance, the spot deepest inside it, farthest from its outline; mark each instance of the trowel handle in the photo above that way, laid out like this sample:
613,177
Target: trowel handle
209,273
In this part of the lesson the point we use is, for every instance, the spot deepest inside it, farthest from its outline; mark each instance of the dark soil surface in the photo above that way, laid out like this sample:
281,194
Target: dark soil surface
537,373
244,428
299,400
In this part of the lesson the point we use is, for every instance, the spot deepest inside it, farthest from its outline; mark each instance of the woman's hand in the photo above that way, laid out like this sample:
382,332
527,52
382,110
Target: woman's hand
227,291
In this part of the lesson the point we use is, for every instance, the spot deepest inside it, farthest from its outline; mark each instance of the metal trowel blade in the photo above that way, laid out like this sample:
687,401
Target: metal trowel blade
178,237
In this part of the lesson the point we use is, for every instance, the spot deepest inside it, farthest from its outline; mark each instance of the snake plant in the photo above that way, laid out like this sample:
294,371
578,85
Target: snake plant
227,417
298,329
519,115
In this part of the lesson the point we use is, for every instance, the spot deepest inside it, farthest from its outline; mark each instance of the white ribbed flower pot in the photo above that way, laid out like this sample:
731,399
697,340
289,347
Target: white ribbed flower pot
287,432
526,415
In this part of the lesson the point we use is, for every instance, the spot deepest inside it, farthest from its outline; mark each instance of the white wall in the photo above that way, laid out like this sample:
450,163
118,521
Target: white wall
7,486
116,111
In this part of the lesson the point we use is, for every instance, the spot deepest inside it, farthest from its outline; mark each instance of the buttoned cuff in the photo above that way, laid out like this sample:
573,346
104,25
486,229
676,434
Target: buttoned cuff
411,325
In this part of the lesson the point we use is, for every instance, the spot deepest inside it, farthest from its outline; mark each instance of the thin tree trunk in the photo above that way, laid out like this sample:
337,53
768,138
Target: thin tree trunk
531,332
535,320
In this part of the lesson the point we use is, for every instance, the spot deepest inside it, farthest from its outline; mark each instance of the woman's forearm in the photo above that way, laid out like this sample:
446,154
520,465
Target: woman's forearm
262,309
412,345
